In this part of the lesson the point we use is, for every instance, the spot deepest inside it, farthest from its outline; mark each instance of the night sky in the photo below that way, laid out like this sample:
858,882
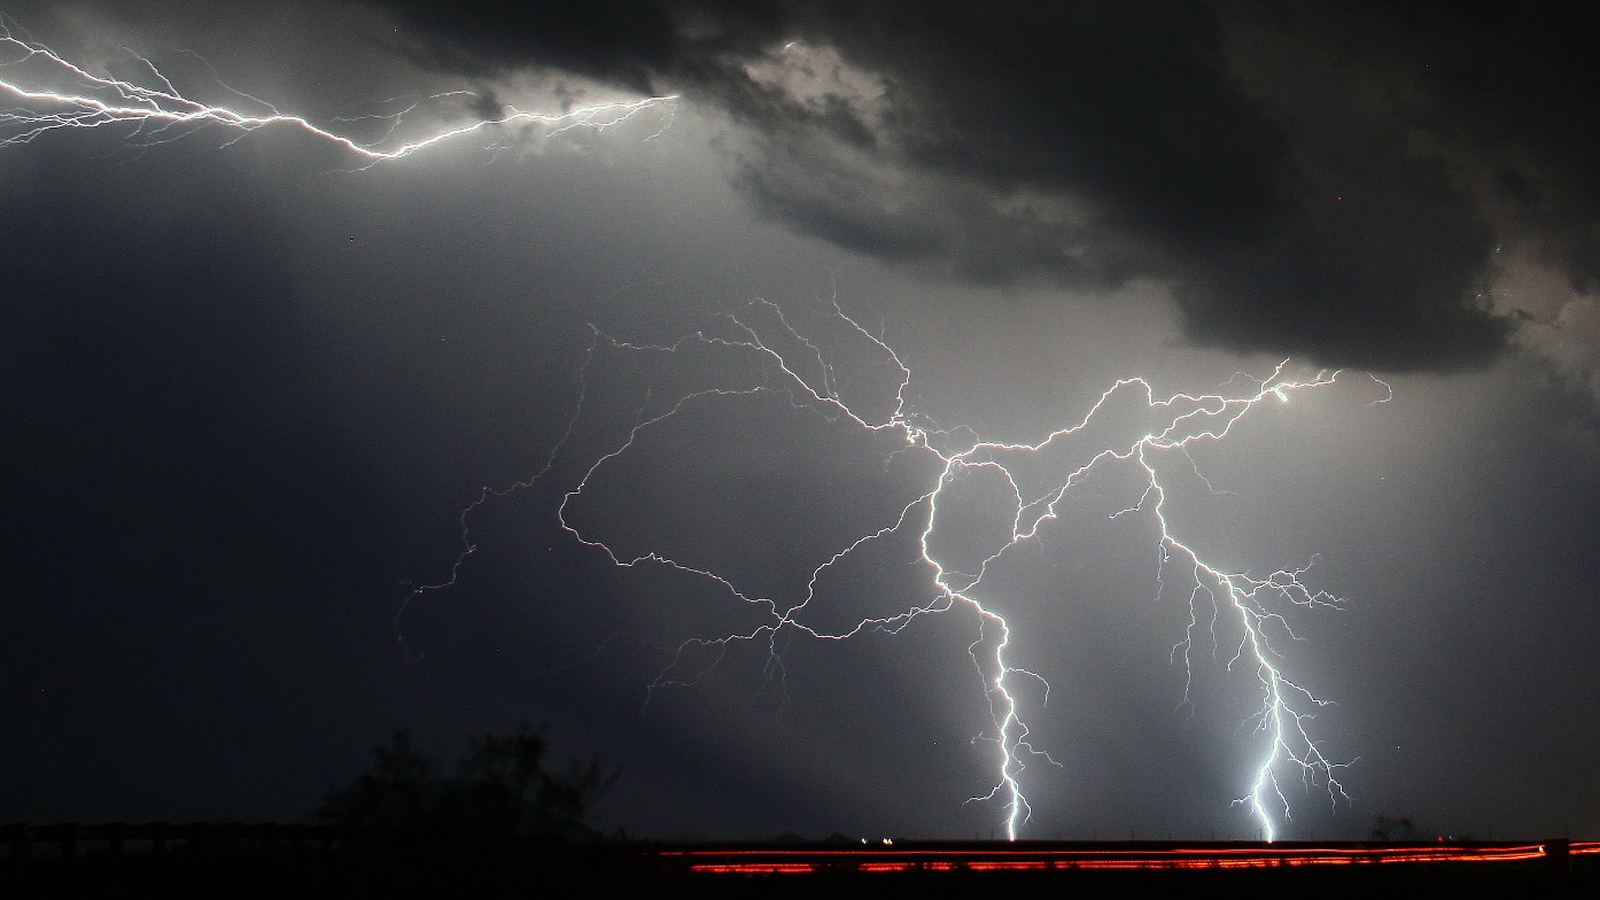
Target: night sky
252,379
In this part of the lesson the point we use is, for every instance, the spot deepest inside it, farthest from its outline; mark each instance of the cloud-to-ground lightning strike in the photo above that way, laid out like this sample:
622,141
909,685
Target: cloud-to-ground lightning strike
1257,604
47,93
50,93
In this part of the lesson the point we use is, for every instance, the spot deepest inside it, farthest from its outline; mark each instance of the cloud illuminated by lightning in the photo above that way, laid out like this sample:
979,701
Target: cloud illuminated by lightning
803,373
48,93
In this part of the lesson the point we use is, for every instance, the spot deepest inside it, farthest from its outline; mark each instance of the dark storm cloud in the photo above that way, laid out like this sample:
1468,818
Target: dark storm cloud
250,395
1520,82
1330,182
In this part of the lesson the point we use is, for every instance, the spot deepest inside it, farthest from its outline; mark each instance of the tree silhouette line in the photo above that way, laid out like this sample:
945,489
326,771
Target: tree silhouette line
502,788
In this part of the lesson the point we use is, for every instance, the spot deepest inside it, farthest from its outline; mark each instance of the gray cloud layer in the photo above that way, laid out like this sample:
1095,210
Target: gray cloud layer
1330,183
250,396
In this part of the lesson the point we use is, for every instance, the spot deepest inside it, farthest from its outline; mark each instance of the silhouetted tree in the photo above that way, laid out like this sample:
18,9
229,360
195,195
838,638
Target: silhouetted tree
396,793
507,787
503,789
1385,828
570,798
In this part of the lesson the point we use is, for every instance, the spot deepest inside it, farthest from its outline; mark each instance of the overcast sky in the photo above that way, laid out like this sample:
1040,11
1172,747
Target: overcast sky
253,379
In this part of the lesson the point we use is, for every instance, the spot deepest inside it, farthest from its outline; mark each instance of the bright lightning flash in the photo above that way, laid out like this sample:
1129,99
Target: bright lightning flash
52,94
804,374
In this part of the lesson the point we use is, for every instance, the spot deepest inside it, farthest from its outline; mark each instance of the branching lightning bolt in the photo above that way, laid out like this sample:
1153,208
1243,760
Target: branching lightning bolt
1182,421
48,94
53,94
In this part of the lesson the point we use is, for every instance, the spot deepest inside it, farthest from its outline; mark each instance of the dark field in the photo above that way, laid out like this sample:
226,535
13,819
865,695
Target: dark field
232,860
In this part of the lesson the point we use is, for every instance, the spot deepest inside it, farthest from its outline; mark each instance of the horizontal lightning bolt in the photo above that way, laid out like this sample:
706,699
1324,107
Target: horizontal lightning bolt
56,94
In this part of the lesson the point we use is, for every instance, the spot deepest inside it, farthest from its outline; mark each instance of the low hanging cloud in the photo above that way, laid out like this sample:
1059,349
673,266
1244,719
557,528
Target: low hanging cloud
1556,324
1330,183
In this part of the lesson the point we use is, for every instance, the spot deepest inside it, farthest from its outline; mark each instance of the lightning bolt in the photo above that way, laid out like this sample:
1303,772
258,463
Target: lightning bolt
795,366
53,94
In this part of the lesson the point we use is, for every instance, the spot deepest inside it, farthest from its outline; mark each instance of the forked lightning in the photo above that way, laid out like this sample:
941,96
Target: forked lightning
1257,605
47,93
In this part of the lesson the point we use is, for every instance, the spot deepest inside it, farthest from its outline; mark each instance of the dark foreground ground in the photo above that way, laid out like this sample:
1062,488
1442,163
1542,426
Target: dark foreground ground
455,866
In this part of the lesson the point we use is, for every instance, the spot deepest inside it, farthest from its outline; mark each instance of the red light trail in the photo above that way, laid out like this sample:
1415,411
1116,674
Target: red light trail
1014,858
